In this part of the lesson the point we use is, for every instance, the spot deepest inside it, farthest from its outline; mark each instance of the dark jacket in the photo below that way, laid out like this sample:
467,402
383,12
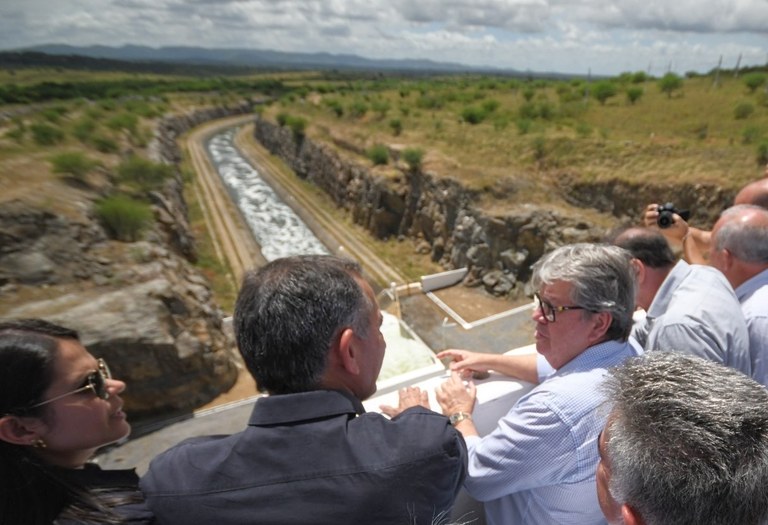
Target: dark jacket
312,458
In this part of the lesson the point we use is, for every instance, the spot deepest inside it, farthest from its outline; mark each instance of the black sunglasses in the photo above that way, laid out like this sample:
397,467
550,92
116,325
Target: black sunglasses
96,381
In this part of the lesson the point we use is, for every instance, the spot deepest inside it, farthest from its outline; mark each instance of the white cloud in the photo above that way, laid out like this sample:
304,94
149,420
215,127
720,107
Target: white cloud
606,36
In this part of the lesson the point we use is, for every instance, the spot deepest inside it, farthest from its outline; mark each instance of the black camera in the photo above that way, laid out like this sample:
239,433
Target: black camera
666,211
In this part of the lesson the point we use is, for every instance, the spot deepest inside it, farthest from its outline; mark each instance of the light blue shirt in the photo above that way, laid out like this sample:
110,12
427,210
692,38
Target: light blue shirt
696,312
538,465
753,296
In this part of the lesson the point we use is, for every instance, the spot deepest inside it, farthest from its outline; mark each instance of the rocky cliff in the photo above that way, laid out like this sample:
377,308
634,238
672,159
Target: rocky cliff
142,306
498,249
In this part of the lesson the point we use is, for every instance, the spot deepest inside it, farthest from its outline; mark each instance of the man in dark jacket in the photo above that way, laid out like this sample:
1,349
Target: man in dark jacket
308,330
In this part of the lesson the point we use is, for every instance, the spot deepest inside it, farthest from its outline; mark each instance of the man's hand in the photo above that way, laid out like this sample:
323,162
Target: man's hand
467,364
676,231
410,396
456,395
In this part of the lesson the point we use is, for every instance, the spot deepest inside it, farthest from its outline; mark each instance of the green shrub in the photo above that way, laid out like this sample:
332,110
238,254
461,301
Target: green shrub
546,111
126,121
282,118
104,143
379,154
472,115
72,163
754,81
604,90
358,109
298,126
84,128
123,218
751,134
762,153
528,111
53,114
489,106
413,157
145,174
634,93
670,83
523,125
397,126
46,135
528,94
743,110
335,106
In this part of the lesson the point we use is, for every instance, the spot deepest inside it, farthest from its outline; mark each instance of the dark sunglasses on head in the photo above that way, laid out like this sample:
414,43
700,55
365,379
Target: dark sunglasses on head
96,381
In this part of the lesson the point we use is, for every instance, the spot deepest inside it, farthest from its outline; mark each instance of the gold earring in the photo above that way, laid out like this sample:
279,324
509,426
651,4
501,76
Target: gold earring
39,443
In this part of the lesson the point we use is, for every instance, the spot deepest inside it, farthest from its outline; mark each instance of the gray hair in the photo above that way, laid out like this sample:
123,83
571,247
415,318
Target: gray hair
688,441
602,280
747,242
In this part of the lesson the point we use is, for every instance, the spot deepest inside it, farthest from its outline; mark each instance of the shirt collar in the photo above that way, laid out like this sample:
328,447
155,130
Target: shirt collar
751,285
303,406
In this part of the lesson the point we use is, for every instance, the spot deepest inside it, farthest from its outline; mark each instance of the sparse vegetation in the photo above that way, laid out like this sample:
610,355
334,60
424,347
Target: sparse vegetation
73,163
670,83
142,173
413,157
379,154
124,219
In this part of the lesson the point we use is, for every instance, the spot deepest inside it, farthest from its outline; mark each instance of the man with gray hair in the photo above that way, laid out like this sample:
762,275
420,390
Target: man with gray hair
538,465
686,443
740,252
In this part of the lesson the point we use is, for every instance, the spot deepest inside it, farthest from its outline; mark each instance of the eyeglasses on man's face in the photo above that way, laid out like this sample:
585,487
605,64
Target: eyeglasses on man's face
95,381
548,309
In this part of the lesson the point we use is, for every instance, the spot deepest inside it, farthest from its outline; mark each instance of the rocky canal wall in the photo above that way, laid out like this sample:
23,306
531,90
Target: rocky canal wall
437,211
142,306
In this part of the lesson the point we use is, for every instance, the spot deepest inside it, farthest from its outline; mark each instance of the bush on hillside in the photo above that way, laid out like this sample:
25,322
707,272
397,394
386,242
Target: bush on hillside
72,163
754,81
46,135
604,90
670,83
634,93
413,157
743,110
379,154
124,219
143,173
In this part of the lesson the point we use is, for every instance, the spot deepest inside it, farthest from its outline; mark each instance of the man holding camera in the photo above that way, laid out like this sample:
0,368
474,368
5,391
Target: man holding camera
696,243
690,308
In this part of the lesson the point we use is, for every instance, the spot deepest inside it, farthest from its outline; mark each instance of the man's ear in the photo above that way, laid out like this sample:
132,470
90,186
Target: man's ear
630,516
19,430
602,322
347,351
639,268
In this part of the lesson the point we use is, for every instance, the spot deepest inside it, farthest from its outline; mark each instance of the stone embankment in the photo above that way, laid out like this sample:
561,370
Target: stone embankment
436,210
142,306
444,217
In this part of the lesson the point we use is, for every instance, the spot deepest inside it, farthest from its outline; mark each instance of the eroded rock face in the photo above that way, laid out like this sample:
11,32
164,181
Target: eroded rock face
158,329
498,249
141,306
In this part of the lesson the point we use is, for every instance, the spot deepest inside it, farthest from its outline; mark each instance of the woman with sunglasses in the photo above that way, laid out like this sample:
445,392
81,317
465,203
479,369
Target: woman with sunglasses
58,405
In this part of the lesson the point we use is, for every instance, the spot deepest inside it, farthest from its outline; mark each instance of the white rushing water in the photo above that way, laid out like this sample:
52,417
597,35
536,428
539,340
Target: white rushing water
281,233
277,229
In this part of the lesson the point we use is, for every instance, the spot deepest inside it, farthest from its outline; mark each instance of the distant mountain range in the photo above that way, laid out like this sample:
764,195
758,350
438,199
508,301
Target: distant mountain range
263,59
254,58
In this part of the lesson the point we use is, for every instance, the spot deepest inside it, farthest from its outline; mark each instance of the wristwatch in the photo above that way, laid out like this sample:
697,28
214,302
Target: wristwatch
458,417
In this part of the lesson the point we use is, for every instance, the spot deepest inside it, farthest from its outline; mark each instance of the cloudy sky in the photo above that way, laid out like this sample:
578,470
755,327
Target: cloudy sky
569,36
